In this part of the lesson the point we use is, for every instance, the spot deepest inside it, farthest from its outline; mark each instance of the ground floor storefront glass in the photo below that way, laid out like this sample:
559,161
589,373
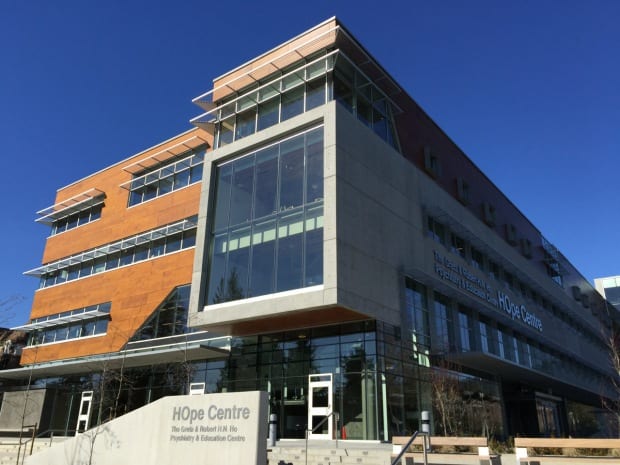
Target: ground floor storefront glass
377,387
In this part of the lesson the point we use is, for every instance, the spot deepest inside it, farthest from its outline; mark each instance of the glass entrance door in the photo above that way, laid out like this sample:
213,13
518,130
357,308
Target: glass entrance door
320,406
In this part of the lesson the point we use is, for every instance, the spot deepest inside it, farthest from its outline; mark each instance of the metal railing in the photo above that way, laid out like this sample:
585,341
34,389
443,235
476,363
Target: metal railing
312,430
405,448
29,428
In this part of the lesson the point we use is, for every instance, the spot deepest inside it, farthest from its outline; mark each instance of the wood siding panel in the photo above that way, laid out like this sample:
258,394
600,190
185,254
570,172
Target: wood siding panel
135,291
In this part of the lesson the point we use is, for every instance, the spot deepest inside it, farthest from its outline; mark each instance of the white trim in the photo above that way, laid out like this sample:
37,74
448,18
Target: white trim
261,298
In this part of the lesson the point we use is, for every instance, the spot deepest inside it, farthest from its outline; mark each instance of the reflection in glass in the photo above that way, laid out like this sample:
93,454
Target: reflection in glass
263,239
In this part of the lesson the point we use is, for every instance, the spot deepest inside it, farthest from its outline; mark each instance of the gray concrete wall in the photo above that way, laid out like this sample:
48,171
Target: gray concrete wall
21,408
379,223
174,430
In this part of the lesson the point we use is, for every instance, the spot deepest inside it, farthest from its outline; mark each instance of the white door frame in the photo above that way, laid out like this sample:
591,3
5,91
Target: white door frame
86,404
323,385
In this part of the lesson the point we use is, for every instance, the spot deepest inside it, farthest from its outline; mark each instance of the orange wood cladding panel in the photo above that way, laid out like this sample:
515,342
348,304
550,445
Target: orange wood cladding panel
275,60
135,291
117,219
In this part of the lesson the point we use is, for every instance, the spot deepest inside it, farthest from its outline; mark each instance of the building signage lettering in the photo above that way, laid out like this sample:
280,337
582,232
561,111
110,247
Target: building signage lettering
462,278
206,424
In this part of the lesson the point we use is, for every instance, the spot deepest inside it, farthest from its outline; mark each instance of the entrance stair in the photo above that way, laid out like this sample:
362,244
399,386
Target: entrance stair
293,452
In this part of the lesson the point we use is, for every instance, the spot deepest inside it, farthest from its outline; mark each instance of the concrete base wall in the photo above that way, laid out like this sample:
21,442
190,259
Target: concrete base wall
212,428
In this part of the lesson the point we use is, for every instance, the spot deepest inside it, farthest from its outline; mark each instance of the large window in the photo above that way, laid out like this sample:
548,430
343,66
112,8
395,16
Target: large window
267,228
417,320
170,318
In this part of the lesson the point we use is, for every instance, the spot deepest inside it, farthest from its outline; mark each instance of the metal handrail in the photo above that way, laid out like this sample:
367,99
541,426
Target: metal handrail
32,428
406,448
312,430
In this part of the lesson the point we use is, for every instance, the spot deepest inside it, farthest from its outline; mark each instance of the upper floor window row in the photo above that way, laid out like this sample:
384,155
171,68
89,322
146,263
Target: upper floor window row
74,211
151,244
298,89
71,324
166,177
77,219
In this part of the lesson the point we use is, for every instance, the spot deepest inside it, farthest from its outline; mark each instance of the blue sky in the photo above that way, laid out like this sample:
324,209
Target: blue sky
530,90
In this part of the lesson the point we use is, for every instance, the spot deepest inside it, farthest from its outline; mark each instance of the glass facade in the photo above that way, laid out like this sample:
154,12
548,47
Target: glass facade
267,228
299,88
169,319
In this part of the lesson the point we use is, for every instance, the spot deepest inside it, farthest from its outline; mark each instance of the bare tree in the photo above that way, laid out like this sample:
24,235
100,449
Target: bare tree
447,401
611,401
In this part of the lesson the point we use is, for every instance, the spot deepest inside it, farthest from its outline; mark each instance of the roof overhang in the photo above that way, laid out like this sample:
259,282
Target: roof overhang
328,34
157,158
155,354
61,320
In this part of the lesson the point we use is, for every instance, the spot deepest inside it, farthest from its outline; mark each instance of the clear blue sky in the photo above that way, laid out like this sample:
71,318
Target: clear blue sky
530,90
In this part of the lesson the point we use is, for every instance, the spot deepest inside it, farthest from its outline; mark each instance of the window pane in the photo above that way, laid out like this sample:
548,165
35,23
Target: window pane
342,92
222,206
266,182
238,264
292,103
74,272
226,132
242,187
195,174
245,124
84,217
218,267
314,166
173,243
140,253
99,265
268,113
165,186
135,197
157,248
291,173
289,274
126,257
189,238
150,192
181,179
262,276
72,221
101,326
86,268
313,252
315,93
364,110
95,213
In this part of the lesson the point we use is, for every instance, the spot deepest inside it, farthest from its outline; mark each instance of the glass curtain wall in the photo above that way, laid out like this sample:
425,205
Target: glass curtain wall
267,228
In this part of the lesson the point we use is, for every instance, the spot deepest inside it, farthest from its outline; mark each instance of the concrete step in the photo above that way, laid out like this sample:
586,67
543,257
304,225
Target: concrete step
342,455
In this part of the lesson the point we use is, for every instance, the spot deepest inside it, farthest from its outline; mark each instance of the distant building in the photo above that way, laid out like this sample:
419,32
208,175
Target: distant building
316,236
610,289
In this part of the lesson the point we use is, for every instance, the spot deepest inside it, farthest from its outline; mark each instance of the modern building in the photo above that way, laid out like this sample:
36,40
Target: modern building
319,237
609,288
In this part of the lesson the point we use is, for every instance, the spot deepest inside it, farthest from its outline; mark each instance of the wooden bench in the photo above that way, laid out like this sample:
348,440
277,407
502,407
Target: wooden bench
523,444
478,449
